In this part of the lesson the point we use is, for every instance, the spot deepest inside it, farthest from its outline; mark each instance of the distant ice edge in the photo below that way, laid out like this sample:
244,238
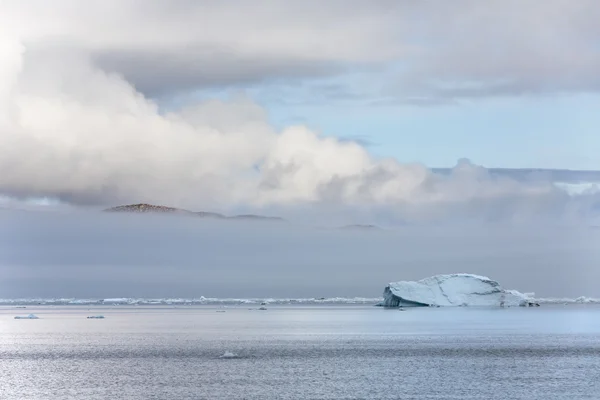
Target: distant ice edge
246,301
453,290
189,301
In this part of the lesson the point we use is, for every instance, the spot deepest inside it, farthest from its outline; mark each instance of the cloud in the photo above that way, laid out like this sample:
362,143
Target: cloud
362,140
407,50
74,131
506,48
166,47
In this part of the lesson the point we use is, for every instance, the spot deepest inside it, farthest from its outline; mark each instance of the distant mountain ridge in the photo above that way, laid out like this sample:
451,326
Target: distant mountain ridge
145,208
151,208
523,174
360,227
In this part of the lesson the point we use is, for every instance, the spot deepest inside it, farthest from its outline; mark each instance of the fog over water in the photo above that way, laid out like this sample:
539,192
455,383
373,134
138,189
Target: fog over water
99,255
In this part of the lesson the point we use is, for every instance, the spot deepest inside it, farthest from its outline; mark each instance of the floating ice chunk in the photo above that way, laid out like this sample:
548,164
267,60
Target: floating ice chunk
452,290
95,317
229,354
30,316
120,300
565,301
583,299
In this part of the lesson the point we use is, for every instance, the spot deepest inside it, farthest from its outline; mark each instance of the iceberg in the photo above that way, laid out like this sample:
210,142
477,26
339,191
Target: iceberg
30,316
452,290
229,354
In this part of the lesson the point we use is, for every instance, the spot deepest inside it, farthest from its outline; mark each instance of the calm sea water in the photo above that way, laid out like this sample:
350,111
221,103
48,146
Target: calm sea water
300,352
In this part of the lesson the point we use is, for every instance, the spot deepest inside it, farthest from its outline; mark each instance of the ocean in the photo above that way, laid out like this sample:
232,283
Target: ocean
315,351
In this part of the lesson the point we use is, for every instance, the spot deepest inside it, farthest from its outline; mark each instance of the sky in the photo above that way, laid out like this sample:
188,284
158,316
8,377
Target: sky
323,113
292,104
555,131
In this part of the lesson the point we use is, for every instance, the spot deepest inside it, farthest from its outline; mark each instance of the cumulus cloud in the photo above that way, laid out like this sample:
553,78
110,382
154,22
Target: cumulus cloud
77,123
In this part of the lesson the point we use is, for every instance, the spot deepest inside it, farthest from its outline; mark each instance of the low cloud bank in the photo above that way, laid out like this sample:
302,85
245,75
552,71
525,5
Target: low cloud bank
91,255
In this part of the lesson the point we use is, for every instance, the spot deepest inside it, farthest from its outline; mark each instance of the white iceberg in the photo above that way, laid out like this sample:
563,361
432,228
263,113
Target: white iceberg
229,354
30,316
452,290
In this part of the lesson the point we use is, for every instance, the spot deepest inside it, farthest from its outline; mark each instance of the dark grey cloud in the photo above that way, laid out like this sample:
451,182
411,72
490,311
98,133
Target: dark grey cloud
158,73
363,140
506,48
169,47
463,49
430,101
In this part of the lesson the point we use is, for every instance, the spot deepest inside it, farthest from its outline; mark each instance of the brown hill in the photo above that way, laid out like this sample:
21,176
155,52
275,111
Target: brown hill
151,208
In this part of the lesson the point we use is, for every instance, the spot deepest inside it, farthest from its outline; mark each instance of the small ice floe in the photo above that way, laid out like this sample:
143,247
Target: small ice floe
229,354
263,308
221,311
401,309
30,316
95,317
